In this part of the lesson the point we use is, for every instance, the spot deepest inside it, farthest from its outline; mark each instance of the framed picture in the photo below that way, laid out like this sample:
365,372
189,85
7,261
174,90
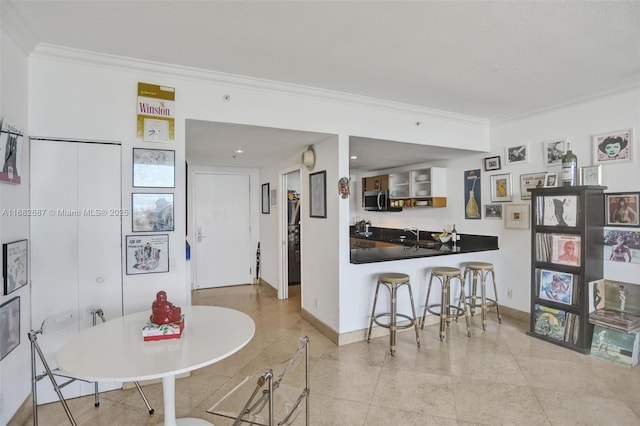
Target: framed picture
153,168
10,153
553,152
318,191
501,188
560,210
152,212
531,180
15,266
622,209
147,254
516,216
565,249
472,194
621,245
274,198
591,175
517,154
551,180
9,326
493,211
613,147
156,130
492,163
266,205
555,286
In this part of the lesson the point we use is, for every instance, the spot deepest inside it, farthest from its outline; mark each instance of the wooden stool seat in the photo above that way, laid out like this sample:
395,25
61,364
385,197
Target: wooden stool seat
445,310
481,270
392,281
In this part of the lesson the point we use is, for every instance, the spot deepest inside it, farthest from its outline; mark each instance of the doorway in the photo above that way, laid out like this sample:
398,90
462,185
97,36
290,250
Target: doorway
290,270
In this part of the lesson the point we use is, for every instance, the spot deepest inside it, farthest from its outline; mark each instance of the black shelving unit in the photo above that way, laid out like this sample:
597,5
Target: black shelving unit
565,216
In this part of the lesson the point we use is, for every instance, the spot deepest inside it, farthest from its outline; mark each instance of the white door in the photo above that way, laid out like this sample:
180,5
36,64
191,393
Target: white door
75,249
223,230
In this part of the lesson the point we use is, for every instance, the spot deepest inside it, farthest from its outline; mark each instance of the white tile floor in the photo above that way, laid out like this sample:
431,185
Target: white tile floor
498,376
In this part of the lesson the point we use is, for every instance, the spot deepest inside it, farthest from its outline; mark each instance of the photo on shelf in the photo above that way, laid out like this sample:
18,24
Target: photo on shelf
560,210
555,286
551,180
621,245
565,249
549,322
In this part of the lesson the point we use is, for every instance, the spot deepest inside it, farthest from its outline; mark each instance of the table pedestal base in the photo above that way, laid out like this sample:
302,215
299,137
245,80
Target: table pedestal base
169,399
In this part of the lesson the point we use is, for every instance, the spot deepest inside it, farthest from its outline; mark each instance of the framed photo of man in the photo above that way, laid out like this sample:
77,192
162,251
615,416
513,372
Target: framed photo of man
622,209
613,147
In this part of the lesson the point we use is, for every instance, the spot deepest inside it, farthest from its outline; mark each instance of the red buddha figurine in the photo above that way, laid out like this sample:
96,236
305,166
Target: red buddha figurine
163,311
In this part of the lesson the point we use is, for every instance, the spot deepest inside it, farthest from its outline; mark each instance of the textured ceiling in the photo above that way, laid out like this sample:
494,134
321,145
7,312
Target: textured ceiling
494,60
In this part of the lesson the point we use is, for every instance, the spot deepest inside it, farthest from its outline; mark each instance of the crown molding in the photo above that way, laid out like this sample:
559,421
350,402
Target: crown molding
15,27
61,53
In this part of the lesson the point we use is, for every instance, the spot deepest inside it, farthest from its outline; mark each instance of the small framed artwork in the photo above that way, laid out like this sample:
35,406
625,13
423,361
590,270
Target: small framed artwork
493,211
613,147
15,267
556,286
9,326
318,191
156,130
501,188
492,163
517,154
551,180
152,212
147,254
266,204
591,175
531,180
565,249
516,216
560,210
553,152
622,209
153,168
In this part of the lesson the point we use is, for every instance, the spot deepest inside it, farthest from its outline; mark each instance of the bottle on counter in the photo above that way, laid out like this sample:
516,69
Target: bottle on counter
454,235
569,167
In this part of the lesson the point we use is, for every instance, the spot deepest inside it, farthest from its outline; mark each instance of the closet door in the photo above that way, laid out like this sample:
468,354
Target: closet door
75,245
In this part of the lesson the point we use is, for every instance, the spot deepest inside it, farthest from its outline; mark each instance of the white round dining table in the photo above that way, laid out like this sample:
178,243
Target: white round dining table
115,351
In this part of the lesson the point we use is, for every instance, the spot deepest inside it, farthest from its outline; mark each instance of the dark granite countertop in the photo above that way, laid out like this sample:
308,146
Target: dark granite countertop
405,248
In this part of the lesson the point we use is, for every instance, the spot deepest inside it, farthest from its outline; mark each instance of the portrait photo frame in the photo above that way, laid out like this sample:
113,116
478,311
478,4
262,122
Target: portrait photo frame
531,180
153,168
318,194
553,151
551,180
622,209
493,211
266,203
621,142
152,212
492,163
9,326
147,254
15,265
516,154
501,187
516,216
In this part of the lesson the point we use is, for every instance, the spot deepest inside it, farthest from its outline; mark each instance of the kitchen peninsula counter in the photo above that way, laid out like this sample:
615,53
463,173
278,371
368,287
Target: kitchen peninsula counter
386,244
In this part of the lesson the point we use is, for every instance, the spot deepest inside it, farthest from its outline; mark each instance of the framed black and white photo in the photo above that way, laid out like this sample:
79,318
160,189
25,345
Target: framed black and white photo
517,154
9,326
318,194
493,211
613,147
553,152
551,180
516,216
501,188
622,209
492,163
147,254
15,267
266,205
153,168
152,212
531,180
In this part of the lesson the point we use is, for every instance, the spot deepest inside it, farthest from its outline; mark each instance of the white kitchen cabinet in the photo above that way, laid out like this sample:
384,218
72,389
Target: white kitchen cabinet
429,182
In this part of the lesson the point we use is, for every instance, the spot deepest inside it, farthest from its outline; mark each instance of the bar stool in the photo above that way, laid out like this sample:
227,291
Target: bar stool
392,281
481,270
445,310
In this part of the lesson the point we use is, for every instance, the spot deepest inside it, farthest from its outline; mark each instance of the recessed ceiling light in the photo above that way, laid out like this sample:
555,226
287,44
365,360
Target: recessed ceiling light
239,151
354,157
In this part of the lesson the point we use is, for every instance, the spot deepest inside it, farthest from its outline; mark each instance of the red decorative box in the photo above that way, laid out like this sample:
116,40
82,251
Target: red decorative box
172,330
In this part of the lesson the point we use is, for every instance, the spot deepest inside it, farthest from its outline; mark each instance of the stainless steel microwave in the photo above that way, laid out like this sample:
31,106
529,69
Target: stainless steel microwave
378,201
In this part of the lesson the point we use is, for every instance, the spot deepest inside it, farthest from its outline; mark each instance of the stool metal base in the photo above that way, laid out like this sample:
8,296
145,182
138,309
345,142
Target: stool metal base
480,270
445,310
393,282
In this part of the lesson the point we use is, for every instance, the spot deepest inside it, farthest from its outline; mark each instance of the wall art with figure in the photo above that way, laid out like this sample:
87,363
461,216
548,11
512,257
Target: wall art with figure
621,245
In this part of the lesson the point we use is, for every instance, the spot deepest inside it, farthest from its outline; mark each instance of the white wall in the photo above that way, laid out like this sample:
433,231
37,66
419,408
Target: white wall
15,370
